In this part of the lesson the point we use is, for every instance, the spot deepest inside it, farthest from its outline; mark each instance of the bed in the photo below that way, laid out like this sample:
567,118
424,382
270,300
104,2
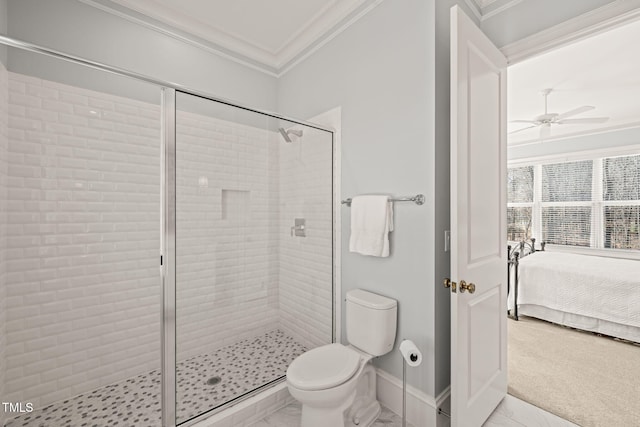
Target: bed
593,293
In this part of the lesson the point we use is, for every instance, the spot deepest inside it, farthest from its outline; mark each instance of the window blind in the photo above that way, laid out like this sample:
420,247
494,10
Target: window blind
592,203
567,182
621,227
519,220
621,178
520,184
621,195
566,225
520,190
566,208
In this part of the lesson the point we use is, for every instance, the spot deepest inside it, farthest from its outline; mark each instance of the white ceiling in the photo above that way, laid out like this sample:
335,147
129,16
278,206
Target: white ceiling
270,32
602,71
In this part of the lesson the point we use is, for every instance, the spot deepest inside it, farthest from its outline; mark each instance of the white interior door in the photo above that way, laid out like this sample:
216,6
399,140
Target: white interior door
478,223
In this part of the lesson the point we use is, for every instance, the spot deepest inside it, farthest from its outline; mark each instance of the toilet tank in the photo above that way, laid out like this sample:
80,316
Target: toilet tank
371,321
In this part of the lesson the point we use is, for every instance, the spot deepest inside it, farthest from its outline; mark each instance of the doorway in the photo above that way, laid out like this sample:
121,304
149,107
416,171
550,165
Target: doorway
574,162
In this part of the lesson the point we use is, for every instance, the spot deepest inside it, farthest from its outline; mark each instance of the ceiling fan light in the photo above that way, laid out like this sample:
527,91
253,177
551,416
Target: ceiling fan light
545,131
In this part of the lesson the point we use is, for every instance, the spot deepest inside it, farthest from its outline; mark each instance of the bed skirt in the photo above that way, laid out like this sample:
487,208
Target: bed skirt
590,324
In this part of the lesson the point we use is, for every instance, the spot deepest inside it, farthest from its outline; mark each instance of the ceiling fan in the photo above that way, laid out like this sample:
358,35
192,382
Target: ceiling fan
544,121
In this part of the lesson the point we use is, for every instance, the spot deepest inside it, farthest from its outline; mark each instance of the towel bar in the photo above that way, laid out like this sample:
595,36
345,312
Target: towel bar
418,199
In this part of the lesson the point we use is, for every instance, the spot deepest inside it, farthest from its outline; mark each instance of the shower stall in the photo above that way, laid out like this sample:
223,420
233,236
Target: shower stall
164,254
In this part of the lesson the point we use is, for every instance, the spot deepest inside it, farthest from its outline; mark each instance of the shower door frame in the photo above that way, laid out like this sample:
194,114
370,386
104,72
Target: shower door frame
167,279
168,258
169,337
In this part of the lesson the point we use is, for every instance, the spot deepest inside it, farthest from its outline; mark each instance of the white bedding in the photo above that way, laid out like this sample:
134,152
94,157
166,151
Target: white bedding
591,286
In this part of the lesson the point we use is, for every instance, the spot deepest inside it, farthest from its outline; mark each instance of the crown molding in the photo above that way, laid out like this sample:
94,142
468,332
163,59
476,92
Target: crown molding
145,21
176,19
320,27
475,8
601,19
308,51
484,3
486,14
485,9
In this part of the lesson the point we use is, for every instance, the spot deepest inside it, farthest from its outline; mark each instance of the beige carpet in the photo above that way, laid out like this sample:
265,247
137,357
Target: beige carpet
590,380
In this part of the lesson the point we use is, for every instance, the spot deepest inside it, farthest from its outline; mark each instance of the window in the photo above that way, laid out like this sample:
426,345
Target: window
566,203
520,209
621,195
589,203
570,225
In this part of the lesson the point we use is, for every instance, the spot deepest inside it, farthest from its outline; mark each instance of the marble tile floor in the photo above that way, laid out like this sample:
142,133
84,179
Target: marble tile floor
511,412
204,382
289,416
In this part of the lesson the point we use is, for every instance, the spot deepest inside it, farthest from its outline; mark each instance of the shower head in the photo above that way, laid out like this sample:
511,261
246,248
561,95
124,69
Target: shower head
285,134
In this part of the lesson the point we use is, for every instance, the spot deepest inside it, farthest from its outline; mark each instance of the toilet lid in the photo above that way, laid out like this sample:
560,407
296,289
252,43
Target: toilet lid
323,367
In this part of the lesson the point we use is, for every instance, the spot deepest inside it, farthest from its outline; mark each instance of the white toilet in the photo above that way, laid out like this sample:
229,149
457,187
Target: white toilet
336,384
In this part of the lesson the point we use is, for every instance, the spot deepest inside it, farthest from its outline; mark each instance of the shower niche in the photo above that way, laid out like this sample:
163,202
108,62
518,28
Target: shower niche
235,204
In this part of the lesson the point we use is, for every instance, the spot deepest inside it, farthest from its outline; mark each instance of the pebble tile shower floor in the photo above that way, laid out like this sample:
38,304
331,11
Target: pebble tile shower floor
135,402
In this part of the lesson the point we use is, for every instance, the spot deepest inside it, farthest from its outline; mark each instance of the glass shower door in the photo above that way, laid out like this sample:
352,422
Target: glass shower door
79,236
254,250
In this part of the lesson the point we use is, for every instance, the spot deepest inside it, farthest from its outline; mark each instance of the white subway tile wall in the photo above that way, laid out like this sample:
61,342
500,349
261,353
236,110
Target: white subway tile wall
3,223
306,262
226,271
83,240
82,270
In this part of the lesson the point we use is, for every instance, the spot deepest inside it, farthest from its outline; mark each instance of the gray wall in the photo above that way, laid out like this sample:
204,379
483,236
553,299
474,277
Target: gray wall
380,71
532,16
100,36
3,30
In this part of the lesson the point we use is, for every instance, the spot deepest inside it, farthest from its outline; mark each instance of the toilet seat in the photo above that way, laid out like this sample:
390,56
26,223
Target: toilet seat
323,367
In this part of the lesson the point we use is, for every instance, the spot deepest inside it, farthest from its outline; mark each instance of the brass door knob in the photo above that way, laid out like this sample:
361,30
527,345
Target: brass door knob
467,287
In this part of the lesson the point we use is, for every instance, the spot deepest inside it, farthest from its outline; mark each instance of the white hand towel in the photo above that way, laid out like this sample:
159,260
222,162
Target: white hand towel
371,222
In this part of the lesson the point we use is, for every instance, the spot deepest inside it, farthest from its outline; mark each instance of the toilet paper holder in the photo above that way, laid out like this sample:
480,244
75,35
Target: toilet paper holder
412,356
410,353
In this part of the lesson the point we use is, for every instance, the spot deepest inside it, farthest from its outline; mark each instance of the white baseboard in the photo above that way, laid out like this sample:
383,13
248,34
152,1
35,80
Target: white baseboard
422,409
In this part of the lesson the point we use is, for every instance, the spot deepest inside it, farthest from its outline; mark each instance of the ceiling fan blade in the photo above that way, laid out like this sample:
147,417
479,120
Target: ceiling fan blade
522,121
545,131
583,121
575,111
520,130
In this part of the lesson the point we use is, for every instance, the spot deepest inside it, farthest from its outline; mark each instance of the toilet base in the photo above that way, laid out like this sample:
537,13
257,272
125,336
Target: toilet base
356,408
363,415
323,417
